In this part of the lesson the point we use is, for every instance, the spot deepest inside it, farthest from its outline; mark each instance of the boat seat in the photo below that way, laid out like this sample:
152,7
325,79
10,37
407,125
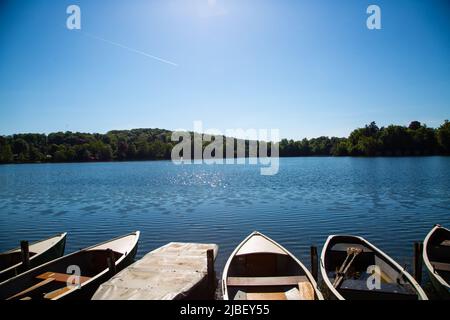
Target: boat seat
343,247
445,243
266,296
56,293
266,281
439,266
60,277
304,291
47,278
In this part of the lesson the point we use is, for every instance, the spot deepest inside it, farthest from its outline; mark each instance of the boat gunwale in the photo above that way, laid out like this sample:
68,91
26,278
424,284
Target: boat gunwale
426,260
311,279
418,289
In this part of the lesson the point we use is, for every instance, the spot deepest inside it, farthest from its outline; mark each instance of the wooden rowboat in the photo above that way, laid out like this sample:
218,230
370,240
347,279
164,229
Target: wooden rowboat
76,275
354,269
12,261
436,255
261,269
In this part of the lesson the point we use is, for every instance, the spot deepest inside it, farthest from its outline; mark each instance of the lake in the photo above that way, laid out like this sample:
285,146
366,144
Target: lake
390,201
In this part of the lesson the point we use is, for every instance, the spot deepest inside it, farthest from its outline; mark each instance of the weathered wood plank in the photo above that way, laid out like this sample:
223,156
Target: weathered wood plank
445,243
32,288
56,293
306,291
265,281
60,277
266,296
163,274
440,266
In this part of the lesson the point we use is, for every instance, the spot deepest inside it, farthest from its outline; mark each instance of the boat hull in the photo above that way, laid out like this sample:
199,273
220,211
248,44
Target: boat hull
433,251
443,292
54,280
52,253
86,292
356,259
261,269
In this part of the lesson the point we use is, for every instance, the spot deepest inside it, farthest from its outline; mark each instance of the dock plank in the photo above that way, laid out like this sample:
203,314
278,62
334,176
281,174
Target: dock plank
166,273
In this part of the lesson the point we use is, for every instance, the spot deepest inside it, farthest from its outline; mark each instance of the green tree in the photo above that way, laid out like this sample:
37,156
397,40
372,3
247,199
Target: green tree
20,147
340,148
60,156
443,136
143,150
157,150
106,153
395,140
132,151
35,155
122,150
423,140
6,155
367,146
415,125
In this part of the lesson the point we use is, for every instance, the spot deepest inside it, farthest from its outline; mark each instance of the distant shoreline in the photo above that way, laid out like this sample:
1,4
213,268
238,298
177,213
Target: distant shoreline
415,140
281,157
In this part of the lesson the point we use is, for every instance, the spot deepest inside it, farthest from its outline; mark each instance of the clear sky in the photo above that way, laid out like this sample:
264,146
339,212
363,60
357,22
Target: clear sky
308,68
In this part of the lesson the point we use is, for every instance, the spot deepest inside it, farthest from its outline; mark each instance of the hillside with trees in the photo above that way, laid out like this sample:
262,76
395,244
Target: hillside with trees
155,144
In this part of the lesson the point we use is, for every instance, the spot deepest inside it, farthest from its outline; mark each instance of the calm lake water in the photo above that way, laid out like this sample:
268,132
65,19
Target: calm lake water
390,201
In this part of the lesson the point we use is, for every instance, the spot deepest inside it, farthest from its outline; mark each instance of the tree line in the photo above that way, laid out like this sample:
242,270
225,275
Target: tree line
414,140
155,144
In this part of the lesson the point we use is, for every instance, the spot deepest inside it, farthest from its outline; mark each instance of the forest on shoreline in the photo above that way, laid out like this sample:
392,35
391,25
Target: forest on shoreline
417,139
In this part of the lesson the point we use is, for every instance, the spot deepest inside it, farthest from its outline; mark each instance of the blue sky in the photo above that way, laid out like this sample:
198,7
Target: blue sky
308,68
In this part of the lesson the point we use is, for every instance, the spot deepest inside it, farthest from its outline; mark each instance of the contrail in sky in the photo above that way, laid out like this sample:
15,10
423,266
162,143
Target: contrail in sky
131,49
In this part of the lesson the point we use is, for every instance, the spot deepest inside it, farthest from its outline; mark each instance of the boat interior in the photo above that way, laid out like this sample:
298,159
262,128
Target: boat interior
438,251
267,276
54,279
12,258
347,260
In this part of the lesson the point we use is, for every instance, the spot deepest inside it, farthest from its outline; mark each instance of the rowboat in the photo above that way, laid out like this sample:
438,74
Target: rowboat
74,276
261,269
436,255
352,268
14,262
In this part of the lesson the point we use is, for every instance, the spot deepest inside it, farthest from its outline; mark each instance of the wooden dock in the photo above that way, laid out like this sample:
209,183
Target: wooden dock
174,271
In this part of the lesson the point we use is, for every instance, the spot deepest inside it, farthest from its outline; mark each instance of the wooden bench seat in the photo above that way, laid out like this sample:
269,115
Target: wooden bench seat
445,243
439,266
266,296
60,277
57,293
47,278
265,281
304,291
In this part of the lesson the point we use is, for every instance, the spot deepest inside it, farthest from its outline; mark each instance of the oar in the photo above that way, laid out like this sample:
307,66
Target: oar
36,286
344,267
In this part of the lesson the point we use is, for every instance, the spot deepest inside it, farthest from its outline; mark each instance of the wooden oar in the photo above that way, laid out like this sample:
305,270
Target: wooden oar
351,252
36,286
